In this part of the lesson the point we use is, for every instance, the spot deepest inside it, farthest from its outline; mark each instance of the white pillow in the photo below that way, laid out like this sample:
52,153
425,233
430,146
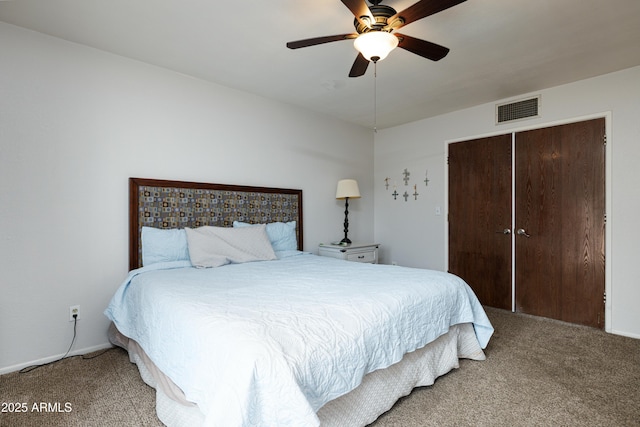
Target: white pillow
282,235
216,246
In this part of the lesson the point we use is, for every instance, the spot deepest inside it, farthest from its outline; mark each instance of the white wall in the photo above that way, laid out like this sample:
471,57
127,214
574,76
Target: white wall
411,234
76,123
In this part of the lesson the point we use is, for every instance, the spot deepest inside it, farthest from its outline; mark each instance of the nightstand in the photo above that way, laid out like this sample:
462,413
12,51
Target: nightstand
358,252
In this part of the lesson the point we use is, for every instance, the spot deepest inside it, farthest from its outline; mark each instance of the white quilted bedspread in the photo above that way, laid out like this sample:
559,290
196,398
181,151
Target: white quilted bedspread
269,343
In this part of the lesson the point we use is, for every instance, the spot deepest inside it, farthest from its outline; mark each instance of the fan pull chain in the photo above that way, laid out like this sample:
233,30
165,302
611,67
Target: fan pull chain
375,97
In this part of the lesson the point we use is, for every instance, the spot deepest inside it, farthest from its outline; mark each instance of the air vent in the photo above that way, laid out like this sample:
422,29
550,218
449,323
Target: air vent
518,110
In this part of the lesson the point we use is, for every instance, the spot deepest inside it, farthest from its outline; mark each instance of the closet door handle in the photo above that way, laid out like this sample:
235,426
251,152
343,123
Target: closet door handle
505,231
522,232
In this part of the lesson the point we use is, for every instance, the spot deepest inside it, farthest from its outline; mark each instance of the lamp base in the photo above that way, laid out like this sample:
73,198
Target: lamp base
346,240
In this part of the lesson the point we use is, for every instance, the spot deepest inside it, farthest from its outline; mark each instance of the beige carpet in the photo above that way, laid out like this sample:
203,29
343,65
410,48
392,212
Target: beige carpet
538,372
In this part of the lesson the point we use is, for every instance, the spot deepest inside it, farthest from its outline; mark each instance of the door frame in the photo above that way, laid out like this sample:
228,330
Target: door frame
608,191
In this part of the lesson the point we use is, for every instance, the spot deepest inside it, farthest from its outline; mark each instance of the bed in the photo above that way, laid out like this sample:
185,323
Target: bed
234,324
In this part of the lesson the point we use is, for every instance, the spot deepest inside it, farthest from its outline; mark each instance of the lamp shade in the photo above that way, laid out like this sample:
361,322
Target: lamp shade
375,45
347,188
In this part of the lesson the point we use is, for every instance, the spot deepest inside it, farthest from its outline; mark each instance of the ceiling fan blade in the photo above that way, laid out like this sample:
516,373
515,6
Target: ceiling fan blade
422,9
320,40
426,49
359,66
359,8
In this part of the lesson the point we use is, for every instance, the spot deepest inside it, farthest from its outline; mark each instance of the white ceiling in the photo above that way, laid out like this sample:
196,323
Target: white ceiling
499,48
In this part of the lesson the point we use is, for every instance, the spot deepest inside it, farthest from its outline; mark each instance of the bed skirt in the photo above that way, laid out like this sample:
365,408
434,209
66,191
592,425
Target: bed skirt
377,393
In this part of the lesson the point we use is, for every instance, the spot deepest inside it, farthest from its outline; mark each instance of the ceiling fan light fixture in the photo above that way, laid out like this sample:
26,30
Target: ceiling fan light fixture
375,45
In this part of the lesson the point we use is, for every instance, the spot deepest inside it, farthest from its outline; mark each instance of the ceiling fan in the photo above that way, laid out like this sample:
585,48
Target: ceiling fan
374,25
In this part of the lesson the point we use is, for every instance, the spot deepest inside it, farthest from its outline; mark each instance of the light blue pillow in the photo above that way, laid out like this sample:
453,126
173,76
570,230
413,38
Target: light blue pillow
282,235
163,245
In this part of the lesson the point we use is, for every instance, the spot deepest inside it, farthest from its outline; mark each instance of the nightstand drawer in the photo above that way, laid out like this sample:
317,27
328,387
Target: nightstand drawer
355,252
369,256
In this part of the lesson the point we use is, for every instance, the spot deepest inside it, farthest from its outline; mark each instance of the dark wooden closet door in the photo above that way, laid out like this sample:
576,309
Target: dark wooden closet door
480,217
560,205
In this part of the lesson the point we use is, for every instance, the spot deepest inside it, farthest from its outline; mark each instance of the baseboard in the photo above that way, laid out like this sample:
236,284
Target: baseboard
14,368
624,334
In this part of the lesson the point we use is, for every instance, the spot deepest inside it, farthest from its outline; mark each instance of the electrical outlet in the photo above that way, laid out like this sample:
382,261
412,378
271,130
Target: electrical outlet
74,310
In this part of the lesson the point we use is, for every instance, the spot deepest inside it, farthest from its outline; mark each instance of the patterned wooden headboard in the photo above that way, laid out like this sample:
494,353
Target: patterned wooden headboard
178,204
